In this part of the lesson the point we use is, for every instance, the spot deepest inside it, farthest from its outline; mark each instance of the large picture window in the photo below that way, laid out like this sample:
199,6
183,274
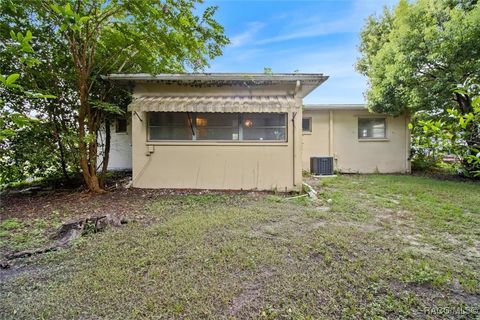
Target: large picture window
372,128
188,126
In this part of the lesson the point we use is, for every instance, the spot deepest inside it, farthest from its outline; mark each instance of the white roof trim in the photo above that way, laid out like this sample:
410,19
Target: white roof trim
317,77
273,104
313,107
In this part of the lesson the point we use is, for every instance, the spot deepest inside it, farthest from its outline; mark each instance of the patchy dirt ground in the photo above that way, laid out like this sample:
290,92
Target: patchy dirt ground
370,247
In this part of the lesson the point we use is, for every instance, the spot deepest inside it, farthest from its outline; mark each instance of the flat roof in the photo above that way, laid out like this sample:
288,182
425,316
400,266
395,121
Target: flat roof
332,106
317,77
309,81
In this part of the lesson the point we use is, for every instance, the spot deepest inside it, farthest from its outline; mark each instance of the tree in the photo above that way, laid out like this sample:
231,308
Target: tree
103,37
24,145
45,68
415,55
452,134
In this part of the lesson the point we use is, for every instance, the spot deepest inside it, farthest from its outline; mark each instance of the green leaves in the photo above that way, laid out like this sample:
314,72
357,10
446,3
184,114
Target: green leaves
70,20
107,107
455,133
414,54
11,79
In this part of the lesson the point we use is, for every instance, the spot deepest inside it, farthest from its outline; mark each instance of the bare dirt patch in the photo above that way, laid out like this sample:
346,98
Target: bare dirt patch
250,298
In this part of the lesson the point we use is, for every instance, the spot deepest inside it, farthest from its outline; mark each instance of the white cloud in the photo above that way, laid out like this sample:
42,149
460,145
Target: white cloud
246,36
315,29
324,24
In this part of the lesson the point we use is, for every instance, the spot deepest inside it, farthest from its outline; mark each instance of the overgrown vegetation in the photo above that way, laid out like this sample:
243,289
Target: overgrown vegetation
372,247
422,58
73,43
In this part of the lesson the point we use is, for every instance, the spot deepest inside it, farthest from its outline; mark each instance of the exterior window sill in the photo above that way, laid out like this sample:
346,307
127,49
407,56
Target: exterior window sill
307,133
374,140
218,143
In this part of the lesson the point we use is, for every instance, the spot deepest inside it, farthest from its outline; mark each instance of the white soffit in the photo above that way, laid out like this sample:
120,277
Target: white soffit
273,104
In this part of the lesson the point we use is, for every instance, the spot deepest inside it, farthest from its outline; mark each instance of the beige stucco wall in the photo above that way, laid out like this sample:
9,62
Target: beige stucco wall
351,154
222,165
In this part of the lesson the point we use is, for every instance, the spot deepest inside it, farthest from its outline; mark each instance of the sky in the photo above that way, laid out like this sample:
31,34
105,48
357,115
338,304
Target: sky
317,36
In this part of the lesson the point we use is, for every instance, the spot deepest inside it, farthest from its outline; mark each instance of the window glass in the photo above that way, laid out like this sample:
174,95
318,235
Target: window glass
371,128
216,126
168,119
307,124
121,126
169,126
264,126
264,134
259,120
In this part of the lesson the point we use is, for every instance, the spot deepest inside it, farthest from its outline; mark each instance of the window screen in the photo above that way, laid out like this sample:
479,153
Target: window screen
264,126
307,124
170,126
372,128
216,126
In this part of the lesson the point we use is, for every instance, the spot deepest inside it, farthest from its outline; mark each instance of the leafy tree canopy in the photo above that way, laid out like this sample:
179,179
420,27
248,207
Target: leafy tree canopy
415,55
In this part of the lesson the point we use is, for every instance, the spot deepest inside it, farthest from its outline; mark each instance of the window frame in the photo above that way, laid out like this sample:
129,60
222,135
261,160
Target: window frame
309,125
385,130
240,140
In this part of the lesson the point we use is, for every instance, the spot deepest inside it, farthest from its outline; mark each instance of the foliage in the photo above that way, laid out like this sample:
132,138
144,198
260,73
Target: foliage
415,55
25,150
81,40
451,134
28,152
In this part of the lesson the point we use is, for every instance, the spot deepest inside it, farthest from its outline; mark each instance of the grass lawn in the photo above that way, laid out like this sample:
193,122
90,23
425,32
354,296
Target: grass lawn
375,246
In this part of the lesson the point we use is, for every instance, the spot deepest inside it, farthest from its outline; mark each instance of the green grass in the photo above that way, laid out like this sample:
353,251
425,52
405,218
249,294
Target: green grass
18,235
371,247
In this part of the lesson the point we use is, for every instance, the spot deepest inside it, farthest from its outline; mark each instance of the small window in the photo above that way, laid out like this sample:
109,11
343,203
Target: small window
121,125
307,124
372,128
264,126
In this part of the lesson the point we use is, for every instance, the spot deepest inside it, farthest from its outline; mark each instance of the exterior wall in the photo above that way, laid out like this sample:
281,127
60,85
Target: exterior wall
315,143
216,165
120,148
351,154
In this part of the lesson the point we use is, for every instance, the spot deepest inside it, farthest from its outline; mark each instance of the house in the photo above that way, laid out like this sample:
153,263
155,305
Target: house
358,140
245,131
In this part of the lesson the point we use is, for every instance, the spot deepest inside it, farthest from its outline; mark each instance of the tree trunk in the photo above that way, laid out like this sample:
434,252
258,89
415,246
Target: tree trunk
61,147
56,134
464,102
106,155
88,150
